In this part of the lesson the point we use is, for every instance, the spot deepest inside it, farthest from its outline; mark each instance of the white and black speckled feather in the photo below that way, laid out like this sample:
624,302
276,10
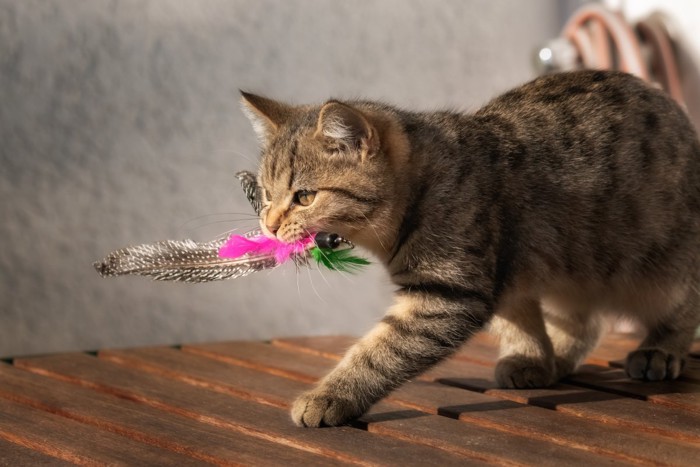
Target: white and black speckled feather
250,186
187,260
182,260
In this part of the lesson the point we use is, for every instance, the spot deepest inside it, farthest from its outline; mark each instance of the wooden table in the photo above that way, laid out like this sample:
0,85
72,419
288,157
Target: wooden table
228,403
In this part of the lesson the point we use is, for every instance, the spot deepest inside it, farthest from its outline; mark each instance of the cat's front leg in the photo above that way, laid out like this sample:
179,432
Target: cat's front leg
426,324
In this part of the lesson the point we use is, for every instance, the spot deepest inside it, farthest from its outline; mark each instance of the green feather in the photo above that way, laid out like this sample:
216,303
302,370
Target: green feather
338,260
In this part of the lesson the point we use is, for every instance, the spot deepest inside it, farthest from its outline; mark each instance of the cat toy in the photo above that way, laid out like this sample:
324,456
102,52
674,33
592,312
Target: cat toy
230,256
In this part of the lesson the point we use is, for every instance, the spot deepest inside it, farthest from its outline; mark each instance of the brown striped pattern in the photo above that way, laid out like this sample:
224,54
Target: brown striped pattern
580,191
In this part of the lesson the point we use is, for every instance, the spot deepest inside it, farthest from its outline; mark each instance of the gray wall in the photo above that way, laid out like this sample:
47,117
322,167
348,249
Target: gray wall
119,124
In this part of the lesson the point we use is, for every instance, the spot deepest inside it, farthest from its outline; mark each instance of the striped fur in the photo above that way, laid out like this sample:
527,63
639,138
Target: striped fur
573,195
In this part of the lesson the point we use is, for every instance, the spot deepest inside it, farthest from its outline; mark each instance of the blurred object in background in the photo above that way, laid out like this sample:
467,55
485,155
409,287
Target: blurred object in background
597,37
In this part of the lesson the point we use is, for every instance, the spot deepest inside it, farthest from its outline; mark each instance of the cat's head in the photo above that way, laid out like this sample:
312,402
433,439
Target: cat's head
323,168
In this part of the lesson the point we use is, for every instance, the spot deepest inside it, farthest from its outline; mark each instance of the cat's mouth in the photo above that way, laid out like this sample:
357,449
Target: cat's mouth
257,243
293,236
290,236
295,232
321,239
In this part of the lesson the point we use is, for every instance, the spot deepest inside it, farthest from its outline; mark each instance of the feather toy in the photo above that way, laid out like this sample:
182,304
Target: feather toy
229,257
338,260
181,260
239,245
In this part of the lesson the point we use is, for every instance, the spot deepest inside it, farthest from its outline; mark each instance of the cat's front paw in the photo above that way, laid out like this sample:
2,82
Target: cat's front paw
653,364
314,409
520,372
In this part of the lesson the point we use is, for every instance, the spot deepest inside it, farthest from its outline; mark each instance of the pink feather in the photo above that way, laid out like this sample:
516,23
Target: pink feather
238,245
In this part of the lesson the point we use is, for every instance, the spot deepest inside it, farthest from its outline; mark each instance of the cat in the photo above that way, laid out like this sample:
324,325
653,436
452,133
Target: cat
573,195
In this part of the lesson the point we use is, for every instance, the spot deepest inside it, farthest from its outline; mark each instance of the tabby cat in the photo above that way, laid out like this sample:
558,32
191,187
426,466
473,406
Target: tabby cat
574,195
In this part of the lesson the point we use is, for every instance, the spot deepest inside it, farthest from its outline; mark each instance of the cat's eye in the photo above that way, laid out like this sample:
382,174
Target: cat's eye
304,197
268,195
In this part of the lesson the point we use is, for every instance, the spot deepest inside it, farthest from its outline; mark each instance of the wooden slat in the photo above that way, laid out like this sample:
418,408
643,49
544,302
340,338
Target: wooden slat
677,394
546,425
388,419
691,371
282,361
482,348
215,375
473,440
12,455
613,347
142,423
538,422
257,355
582,401
200,403
595,403
241,417
610,409
74,442
331,347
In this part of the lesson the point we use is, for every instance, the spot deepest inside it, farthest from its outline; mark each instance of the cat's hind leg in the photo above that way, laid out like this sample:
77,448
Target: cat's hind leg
526,353
661,355
574,331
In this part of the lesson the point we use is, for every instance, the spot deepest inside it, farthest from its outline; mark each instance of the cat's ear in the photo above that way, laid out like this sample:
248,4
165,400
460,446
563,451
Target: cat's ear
347,129
266,115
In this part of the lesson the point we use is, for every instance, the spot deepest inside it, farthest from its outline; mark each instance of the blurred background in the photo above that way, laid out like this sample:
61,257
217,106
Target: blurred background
120,125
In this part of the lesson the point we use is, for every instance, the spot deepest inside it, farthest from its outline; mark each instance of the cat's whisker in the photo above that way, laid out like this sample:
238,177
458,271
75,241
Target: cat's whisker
223,213
374,229
296,269
192,224
227,232
344,223
313,287
319,269
254,231
208,224
323,276
252,161
213,214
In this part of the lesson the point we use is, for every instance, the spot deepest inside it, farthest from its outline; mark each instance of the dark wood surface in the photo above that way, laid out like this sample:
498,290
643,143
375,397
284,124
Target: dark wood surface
228,403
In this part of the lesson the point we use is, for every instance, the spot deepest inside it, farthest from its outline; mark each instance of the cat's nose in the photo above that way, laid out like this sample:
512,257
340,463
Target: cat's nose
273,228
